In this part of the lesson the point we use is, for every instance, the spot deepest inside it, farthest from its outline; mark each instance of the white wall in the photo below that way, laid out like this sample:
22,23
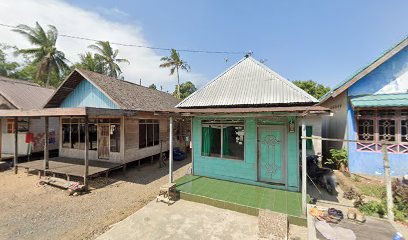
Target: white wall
36,126
335,126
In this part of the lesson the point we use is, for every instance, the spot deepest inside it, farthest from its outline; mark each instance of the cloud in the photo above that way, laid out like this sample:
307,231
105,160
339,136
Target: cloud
72,20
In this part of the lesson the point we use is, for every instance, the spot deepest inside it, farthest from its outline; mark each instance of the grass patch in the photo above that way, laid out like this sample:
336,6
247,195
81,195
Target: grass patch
368,187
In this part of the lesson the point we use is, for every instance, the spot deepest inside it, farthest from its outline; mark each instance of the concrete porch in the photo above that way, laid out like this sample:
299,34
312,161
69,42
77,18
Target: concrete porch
241,197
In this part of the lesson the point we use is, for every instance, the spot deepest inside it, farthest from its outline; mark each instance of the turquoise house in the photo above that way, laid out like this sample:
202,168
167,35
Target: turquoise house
245,126
369,108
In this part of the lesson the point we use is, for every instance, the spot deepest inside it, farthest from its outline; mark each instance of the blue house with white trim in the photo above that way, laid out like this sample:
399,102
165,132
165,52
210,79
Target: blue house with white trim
372,106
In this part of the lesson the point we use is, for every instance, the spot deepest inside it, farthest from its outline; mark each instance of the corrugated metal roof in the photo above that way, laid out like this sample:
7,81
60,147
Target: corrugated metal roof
248,83
252,110
23,94
383,100
127,95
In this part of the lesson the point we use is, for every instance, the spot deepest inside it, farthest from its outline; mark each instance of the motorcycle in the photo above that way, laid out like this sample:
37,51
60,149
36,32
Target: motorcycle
323,176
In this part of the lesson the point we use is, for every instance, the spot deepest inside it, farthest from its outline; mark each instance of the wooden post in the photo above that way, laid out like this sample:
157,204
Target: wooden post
86,147
15,160
388,184
46,143
171,151
192,147
304,167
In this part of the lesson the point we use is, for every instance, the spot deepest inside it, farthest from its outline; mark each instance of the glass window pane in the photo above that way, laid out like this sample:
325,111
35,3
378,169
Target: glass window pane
93,136
156,133
386,130
149,135
404,130
115,138
142,135
211,141
74,136
81,136
233,142
66,129
66,120
386,113
366,130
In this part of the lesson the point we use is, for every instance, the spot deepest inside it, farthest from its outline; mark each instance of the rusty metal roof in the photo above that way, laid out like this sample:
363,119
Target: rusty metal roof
24,95
248,83
127,95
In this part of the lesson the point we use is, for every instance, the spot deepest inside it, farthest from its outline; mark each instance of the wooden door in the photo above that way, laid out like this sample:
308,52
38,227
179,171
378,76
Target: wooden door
103,141
271,154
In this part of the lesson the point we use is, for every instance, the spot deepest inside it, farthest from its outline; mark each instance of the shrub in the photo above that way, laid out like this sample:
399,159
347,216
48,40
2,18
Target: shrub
337,158
372,207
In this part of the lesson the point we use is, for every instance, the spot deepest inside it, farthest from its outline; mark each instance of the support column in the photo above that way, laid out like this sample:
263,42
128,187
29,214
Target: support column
304,167
46,143
86,147
388,184
15,160
171,151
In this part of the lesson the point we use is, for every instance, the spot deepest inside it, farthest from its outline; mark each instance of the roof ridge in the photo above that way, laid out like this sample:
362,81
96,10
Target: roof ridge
284,80
213,80
122,80
19,81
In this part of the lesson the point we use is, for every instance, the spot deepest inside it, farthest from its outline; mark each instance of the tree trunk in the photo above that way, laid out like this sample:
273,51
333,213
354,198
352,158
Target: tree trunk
178,83
47,83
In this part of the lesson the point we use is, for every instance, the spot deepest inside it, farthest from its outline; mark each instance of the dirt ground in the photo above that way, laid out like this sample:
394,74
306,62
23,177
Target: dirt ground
31,211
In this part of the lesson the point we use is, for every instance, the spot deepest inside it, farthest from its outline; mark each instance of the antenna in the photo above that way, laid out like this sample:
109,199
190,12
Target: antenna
140,82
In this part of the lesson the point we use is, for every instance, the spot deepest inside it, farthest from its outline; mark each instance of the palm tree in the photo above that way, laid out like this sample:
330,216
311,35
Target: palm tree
45,54
108,58
91,62
174,62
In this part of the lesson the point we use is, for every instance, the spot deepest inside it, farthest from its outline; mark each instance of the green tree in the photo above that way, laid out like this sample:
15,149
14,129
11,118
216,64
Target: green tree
175,63
313,88
7,68
109,58
153,86
186,89
91,62
47,58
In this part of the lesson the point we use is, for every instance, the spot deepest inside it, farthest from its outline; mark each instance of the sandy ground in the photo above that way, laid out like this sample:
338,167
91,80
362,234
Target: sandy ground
31,211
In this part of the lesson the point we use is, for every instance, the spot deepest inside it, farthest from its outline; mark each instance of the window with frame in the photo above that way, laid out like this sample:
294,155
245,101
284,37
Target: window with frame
223,139
73,133
10,125
149,133
383,125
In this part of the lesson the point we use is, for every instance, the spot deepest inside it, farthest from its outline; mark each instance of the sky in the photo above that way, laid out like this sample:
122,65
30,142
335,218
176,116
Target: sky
326,41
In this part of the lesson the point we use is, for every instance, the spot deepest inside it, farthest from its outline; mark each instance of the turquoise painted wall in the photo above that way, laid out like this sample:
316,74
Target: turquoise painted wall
243,171
87,95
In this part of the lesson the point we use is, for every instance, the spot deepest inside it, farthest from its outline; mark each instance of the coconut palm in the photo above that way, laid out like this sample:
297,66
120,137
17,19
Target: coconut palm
174,62
89,61
46,56
108,58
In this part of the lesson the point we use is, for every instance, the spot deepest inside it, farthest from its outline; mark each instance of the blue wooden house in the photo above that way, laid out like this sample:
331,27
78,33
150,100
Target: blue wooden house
371,107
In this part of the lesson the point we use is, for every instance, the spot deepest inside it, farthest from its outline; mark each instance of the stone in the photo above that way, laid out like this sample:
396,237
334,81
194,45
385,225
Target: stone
272,225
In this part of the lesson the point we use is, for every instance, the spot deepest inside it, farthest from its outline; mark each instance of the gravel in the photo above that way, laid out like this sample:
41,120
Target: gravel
31,211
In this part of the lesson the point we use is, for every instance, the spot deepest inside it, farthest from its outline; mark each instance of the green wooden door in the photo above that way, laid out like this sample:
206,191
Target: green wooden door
271,154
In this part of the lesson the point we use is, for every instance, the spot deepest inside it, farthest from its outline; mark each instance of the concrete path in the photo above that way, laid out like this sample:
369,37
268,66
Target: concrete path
184,220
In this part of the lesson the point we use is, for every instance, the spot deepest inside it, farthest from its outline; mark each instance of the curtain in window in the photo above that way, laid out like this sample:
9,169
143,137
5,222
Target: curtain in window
309,142
225,148
206,141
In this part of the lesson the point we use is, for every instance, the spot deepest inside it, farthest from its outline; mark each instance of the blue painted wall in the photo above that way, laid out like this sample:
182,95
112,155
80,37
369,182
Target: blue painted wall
386,79
392,73
243,171
87,95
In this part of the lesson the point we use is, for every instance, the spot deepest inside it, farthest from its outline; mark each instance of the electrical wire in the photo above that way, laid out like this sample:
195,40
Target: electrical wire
140,46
